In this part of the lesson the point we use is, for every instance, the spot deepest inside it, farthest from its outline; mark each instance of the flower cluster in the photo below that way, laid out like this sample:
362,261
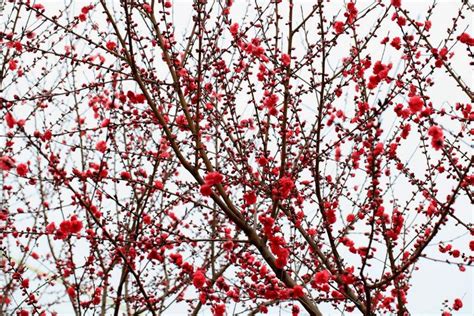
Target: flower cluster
210,180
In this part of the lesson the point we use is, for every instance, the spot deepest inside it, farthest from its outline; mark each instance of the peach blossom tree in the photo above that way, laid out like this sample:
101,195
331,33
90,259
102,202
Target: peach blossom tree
232,157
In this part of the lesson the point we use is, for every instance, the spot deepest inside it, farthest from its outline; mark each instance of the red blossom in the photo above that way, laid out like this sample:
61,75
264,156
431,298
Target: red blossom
457,305
415,104
159,185
270,102
10,120
22,169
298,291
177,258
250,198
76,225
218,310
285,59
295,310
38,6
101,146
199,279
213,178
206,190
25,283
351,12
466,39
380,72
437,137
111,45
322,277
147,8
396,43
50,228
350,218
234,29
396,3
12,64
285,186
71,292
338,27
6,163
